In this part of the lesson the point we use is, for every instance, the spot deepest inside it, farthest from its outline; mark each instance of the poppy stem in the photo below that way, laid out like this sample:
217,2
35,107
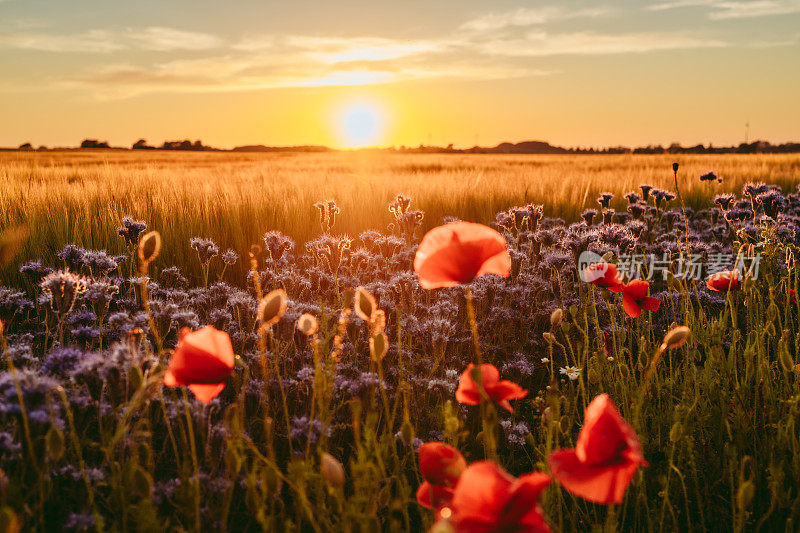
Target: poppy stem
473,324
685,218
488,414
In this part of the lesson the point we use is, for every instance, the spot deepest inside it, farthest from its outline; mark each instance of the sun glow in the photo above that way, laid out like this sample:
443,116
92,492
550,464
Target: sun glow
361,123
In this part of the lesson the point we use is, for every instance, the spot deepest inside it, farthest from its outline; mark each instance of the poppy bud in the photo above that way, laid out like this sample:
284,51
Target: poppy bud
149,247
9,521
272,307
141,483
786,359
307,324
674,167
364,304
676,337
548,337
745,494
54,442
378,346
378,320
556,316
332,470
407,432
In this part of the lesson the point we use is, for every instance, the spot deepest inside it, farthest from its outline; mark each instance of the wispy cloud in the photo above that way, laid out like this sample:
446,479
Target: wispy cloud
166,39
498,45
536,44
104,41
527,17
726,9
99,41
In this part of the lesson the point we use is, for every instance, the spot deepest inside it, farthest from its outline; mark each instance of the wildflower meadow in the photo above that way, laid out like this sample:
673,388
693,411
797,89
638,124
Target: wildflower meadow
630,367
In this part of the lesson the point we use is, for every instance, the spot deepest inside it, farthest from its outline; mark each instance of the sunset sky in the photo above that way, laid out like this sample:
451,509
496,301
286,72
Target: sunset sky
349,73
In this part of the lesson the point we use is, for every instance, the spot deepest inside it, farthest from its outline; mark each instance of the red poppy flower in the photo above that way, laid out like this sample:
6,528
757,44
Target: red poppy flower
635,298
606,457
441,465
487,498
459,252
792,296
604,275
722,281
202,360
498,391
433,496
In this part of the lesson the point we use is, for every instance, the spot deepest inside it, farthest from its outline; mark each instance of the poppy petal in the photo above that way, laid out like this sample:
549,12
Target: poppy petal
459,252
630,306
481,495
440,463
604,433
523,505
650,304
205,392
507,390
637,289
433,496
604,484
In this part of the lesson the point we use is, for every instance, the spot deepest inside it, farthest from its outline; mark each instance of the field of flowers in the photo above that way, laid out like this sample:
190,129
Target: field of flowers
467,378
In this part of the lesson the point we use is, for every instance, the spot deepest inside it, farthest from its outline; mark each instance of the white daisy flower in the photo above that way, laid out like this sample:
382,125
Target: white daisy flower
572,372
545,360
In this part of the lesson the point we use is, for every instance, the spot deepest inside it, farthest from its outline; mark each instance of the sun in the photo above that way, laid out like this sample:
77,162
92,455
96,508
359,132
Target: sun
361,123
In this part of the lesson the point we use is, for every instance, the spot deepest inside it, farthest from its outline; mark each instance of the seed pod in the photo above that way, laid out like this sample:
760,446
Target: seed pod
272,307
9,523
54,442
364,304
745,494
676,337
407,432
307,324
141,484
378,321
149,247
786,359
332,470
556,316
378,346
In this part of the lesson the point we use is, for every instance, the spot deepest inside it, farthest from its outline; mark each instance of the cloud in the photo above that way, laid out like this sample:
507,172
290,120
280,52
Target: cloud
258,72
537,44
338,49
165,39
154,38
91,41
526,17
727,9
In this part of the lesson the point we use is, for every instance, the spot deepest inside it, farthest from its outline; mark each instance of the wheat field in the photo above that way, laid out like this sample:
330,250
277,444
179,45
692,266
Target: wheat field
234,198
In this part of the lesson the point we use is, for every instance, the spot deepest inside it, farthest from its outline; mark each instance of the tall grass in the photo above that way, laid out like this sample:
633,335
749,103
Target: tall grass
81,196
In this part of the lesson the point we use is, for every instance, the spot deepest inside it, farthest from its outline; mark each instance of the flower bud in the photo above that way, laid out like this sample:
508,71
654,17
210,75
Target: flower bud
272,307
364,304
556,316
676,337
307,324
332,470
149,247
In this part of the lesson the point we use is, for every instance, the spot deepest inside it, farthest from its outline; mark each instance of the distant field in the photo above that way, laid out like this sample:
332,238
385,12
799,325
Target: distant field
234,198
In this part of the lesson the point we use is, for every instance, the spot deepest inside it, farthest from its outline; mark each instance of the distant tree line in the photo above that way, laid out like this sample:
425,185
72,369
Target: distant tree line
526,147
